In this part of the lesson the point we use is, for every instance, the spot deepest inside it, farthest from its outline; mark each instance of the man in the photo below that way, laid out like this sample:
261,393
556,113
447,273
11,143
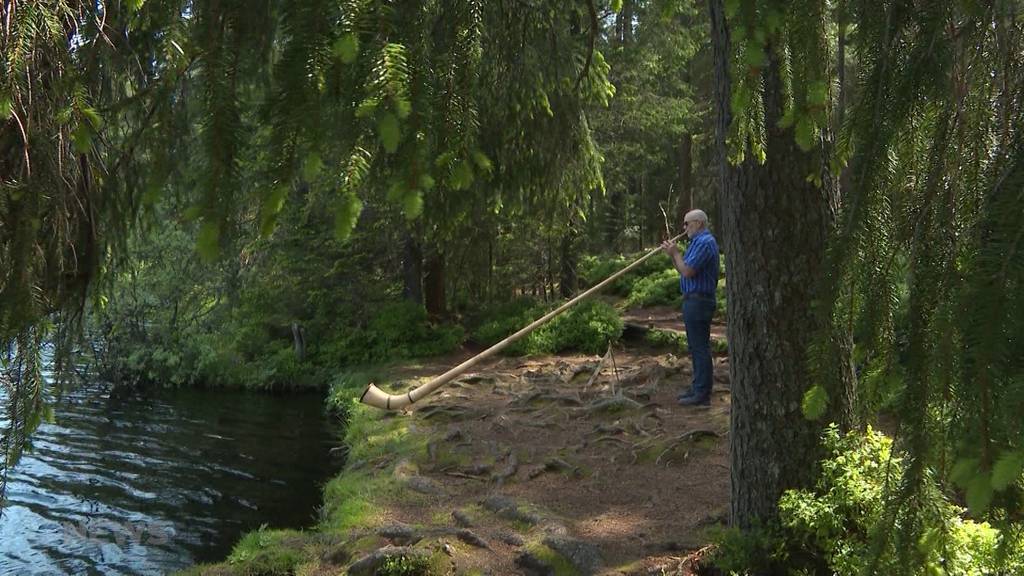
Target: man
698,280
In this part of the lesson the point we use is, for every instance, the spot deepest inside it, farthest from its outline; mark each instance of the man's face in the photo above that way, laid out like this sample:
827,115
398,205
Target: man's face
691,227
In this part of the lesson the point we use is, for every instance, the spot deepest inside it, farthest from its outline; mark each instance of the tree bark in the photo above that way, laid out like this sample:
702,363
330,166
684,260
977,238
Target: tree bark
412,270
433,284
776,225
685,196
568,281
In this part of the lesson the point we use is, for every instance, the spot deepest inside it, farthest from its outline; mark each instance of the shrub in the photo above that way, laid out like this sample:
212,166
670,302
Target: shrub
399,330
594,269
837,527
660,288
586,327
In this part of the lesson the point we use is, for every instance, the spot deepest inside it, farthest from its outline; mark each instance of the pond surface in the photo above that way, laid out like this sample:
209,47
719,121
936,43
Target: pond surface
149,482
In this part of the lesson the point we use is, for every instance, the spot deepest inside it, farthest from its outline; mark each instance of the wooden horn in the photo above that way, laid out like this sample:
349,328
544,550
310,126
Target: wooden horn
374,396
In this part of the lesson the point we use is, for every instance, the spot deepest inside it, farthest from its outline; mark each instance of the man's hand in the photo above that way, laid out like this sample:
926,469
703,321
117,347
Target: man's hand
671,248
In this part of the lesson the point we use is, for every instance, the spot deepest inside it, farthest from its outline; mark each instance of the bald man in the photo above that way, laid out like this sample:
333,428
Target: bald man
698,280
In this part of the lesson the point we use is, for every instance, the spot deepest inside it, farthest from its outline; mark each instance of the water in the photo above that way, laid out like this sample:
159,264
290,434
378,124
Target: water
150,482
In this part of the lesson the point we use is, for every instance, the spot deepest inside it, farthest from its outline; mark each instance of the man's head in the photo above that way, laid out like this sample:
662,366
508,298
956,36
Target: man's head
694,222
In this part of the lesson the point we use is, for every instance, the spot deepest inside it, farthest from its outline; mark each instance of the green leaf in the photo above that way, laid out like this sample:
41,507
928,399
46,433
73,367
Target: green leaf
389,131
208,241
192,212
817,93
312,166
426,182
367,107
81,139
772,20
963,471
6,106
135,5
1007,469
92,116
402,107
804,133
814,403
754,55
153,190
346,215
397,190
979,494
616,6
412,204
270,208
346,48
482,161
461,176
732,7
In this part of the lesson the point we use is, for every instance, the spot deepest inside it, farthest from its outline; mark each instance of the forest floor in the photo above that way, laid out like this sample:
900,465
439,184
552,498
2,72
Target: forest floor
567,464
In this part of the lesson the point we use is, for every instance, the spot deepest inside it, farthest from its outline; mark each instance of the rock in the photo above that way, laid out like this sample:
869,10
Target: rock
584,556
400,533
533,566
472,539
511,538
462,519
497,503
338,555
424,486
370,564
507,508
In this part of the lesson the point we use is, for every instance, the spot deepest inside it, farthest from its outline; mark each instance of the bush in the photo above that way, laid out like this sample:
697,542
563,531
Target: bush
586,327
660,288
399,330
836,527
594,269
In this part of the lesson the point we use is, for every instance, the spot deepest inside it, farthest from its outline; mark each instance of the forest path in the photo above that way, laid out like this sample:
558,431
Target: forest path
526,459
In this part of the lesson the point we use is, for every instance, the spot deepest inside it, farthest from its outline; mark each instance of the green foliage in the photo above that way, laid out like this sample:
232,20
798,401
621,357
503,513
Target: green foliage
595,269
666,338
397,330
814,403
658,289
405,566
846,525
587,327
264,551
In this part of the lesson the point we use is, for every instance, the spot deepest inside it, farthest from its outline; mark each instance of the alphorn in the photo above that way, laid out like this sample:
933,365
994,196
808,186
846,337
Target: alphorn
374,396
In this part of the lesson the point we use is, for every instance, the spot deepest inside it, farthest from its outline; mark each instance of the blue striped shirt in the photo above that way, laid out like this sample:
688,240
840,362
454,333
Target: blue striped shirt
702,254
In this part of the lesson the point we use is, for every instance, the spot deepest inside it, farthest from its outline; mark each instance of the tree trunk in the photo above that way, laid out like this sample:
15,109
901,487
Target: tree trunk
412,270
776,224
685,178
627,21
433,284
568,281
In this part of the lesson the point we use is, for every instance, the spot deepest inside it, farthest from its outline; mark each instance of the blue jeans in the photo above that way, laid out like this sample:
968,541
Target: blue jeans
697,315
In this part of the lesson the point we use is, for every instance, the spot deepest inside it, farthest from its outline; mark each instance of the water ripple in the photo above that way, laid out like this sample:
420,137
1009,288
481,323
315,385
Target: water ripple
151,482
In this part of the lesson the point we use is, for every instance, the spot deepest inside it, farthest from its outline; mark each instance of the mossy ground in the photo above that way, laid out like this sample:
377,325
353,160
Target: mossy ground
479,476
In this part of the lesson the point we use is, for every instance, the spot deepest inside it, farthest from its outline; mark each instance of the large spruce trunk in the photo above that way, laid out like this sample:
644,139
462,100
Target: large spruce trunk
776,224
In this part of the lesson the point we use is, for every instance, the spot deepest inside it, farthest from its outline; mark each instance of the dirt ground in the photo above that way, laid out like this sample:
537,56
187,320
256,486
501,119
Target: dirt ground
590,457
669,318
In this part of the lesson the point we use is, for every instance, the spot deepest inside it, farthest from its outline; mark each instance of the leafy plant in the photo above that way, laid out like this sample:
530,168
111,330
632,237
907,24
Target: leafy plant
845,524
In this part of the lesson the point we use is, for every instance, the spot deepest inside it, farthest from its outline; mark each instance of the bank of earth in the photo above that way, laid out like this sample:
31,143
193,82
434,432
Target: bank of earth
565,464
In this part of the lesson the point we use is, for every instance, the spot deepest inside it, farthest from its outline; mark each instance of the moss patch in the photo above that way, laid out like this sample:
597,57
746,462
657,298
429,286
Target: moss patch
559,564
